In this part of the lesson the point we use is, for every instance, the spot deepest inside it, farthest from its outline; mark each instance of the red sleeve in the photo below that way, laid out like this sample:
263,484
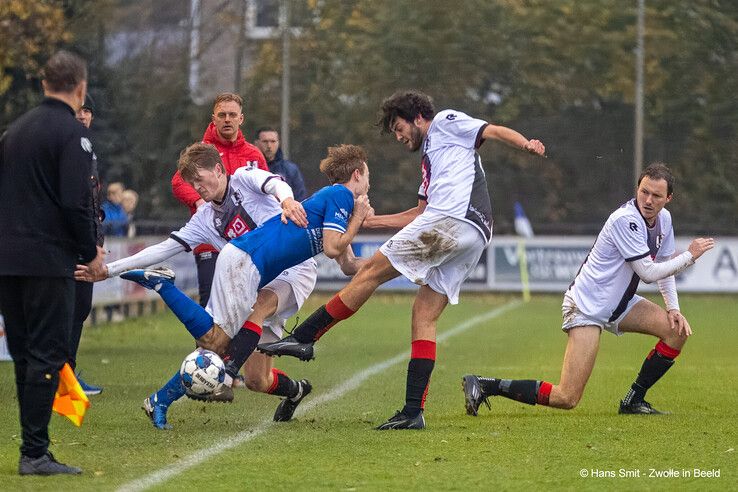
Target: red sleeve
262,161
184,192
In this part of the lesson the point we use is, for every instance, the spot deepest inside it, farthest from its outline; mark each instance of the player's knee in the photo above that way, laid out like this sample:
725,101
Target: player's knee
258,384
568,400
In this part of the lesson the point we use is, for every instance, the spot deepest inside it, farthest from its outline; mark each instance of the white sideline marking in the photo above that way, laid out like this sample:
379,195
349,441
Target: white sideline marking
354,382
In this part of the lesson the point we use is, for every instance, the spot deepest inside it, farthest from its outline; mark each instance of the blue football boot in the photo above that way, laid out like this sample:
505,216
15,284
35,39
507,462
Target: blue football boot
151,278
157,412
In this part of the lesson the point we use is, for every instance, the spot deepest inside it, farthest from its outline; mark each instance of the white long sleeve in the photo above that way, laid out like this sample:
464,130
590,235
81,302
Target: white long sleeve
667,287
649,271
279,189
146,257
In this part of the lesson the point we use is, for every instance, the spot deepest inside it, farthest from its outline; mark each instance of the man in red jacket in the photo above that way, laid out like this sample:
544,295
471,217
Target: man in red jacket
223,132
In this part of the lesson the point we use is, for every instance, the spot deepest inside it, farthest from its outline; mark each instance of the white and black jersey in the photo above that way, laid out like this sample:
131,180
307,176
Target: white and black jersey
244,207
454,183
606,281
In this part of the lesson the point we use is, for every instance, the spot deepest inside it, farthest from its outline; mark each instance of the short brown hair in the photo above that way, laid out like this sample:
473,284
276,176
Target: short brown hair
198,156
659,170
342,161
227,97
64,71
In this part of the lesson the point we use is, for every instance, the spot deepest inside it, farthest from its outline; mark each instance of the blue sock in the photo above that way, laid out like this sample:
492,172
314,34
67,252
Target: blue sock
170,392
191,314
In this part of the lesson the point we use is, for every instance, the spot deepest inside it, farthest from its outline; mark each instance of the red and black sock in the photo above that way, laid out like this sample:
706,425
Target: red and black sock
241,347
657,362
283,385
522,390
419,369
322,320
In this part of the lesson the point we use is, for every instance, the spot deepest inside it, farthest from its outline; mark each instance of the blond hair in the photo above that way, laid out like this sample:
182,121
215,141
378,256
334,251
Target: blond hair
342,161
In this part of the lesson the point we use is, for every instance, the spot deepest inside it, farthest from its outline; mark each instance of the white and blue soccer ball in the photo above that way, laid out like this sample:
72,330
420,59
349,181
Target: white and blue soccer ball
202,371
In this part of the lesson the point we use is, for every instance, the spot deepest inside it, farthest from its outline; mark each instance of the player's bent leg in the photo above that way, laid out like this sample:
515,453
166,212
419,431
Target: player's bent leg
427,308
579,360
258,372
215,340
581,352
650,319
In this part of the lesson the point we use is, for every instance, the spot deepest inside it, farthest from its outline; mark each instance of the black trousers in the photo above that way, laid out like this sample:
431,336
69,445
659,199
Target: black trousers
205,272
82,308
38,322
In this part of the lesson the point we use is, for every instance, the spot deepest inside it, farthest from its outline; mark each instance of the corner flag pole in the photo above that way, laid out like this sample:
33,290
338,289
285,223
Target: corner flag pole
524,230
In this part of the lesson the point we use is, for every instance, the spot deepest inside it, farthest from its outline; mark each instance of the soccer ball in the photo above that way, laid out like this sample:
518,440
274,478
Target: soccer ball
202,371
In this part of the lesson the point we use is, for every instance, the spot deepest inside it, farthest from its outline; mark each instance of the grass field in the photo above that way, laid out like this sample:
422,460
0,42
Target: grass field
331,445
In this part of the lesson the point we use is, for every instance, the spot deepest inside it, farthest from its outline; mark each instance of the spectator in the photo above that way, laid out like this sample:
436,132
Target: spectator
48,225
83,290
116,221
129,203
267,140
235,152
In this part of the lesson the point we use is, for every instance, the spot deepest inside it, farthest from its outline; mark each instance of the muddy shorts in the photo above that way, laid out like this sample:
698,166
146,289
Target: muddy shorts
436,250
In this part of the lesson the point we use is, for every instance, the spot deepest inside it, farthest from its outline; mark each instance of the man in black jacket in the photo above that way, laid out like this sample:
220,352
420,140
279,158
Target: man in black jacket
267,140
47,223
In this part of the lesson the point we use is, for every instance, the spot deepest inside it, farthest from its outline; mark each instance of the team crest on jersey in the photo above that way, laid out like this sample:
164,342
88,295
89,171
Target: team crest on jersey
237,198
659,238
86,144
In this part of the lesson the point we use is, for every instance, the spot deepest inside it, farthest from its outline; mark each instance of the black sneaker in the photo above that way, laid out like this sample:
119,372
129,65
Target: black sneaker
639,408
402,421
288,346
221,394
287,407
474,394
45,465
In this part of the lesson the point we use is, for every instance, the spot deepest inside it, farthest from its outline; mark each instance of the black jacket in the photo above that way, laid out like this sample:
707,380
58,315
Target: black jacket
46,216
291,174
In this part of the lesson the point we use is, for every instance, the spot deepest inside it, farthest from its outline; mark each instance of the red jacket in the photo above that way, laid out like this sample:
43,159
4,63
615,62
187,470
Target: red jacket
234,155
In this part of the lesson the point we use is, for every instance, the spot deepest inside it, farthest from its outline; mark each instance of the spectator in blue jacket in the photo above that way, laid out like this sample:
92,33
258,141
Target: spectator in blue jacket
116,219
267,140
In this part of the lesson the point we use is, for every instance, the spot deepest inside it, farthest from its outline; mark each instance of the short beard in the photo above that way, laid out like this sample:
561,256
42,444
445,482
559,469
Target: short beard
416,138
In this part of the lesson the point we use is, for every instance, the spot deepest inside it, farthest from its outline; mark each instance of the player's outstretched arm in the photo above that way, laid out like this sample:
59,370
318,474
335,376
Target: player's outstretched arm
334,242
513,139
649,271
394,221
349,262
144,258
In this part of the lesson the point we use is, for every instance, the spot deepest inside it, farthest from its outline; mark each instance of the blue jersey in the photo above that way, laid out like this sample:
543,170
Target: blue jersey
274,247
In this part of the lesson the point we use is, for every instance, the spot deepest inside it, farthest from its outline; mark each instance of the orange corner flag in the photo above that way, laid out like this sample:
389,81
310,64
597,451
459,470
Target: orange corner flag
70,400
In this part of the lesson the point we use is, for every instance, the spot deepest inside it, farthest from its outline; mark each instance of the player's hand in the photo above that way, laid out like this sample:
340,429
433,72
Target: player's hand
700,246
83,273
679,323
96,267
293,210
535,147
362,207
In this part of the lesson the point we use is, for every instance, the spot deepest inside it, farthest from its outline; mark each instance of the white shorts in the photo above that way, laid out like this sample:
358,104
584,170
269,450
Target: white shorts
436,250
235,286
292,288
573,317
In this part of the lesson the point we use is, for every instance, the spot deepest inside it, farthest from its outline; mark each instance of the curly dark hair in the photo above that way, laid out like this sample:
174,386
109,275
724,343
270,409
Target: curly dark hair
342,161
659,170
406,105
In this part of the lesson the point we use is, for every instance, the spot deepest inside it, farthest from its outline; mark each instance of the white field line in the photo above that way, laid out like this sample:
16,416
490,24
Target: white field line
162,475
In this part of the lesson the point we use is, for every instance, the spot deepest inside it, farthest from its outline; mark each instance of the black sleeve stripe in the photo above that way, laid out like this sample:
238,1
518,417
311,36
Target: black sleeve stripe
273,176
634,258
422,197
480,140
181,241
